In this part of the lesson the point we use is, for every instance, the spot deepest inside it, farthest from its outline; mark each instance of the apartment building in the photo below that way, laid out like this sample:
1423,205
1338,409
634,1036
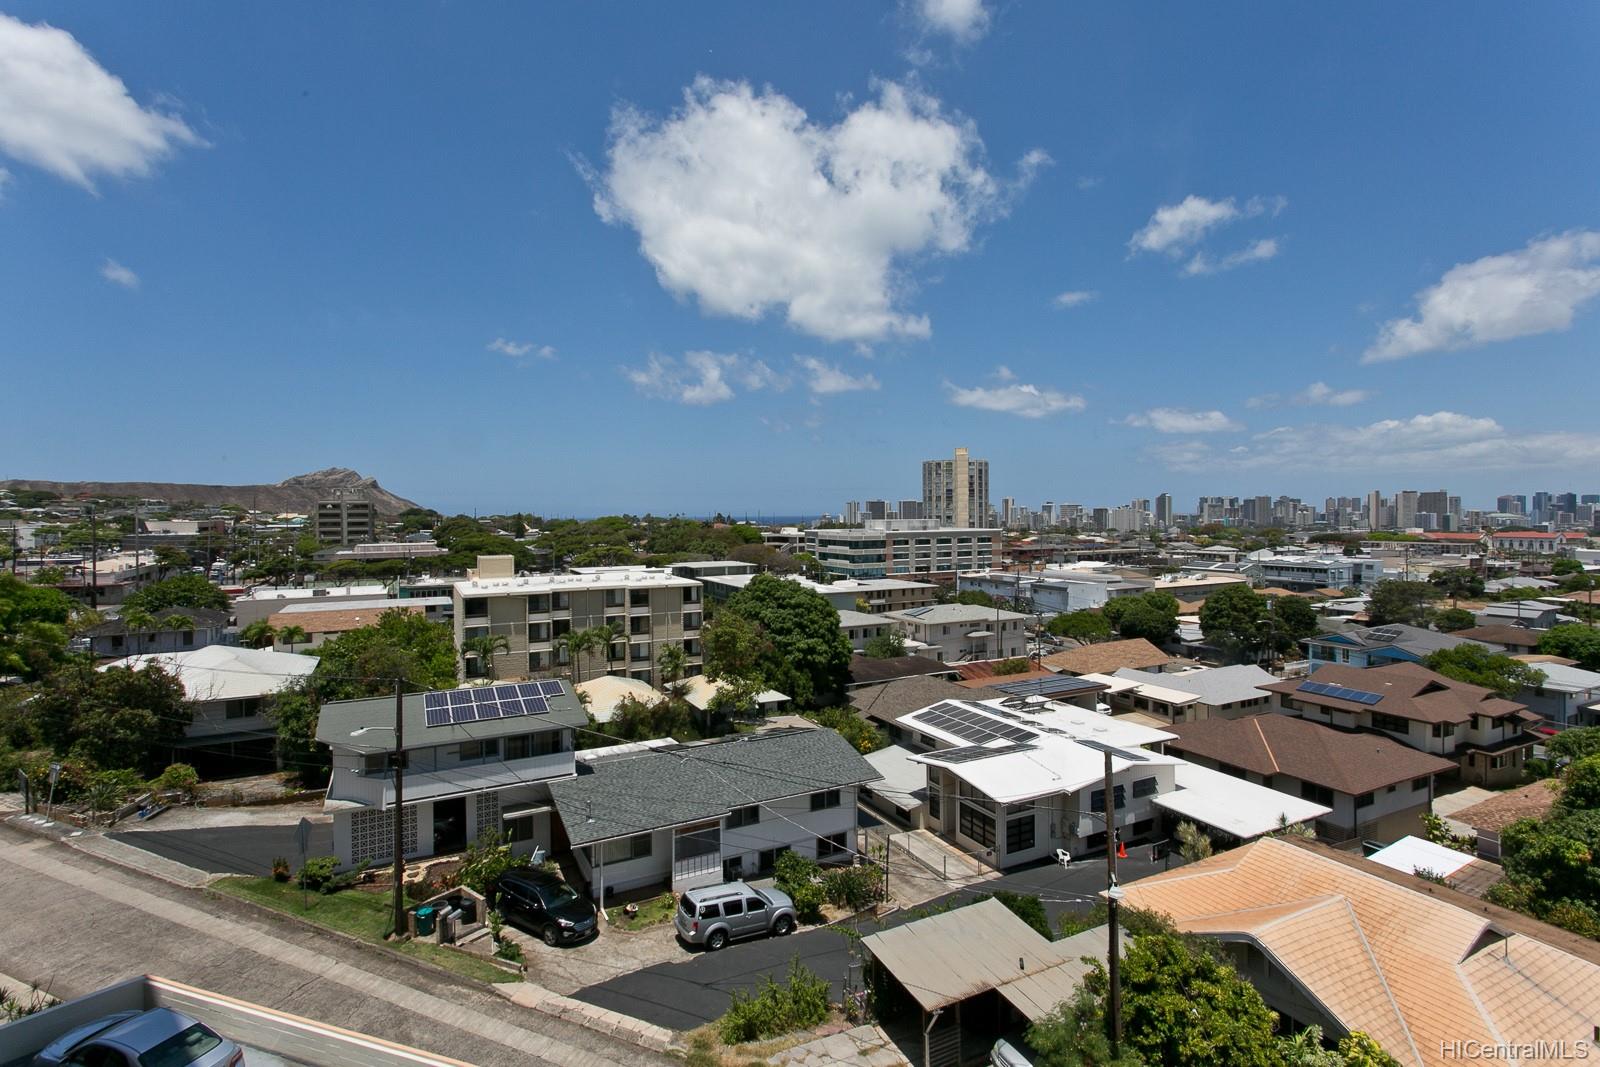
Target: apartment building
958,633
647,609
847,594
1055,589
903,548
955,492
346,518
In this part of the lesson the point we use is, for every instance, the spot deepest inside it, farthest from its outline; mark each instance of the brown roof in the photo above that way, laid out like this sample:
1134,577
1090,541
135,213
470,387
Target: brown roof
1108,657
1346,761
1417,966
866,670
982,673
1532,801
890,700
1535,657
335,621
1510,636
1408,691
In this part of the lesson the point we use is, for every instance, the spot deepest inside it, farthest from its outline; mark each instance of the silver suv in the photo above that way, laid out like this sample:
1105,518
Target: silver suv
716,914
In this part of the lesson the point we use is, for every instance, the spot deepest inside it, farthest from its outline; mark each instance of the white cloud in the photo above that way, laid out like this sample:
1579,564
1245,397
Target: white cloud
1015,398
826,379
1089,181
1075,298
1256,252
748,205
965,21
1441,442
1179,420
702,377
64,113
1536,289
1317,394
520,349
117,274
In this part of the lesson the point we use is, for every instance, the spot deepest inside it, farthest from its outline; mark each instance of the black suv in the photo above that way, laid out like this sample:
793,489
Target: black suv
545,906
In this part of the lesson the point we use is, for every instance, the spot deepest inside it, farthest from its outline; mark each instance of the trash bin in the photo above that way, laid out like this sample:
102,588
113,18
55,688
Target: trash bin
425,921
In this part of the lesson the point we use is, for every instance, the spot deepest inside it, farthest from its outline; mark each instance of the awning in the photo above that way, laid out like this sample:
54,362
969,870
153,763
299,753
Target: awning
517,812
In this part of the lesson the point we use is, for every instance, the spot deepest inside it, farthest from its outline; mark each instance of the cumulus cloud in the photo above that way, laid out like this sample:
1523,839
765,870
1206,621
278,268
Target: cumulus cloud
1180,420
1075,298
826,379
1442,441
520,349
1256,252
1317,394
1015,398
964,21
1536,289
64,113
117,274
702,378
745,203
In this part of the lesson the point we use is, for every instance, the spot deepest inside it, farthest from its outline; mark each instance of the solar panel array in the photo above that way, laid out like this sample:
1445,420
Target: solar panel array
1121,753
1384,633
1039,687
1340,692
972,752
969,725
456,706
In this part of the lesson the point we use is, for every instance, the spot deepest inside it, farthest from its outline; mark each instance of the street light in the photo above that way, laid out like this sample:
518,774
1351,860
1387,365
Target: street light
398,765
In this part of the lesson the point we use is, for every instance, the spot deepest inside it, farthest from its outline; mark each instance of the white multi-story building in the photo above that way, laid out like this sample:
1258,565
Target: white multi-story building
646,609
904,548
1054,589
958,633
955,492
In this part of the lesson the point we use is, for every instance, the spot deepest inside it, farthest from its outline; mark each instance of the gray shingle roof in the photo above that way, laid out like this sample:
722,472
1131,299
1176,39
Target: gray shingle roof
706,780
338,719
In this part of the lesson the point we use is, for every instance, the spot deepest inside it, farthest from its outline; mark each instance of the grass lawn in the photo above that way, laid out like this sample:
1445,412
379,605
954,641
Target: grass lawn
657,909
359,914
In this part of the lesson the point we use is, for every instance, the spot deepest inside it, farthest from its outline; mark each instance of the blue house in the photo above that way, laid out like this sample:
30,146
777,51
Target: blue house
1378,646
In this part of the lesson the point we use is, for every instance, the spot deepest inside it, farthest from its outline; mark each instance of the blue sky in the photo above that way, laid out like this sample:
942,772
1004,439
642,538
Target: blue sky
769,257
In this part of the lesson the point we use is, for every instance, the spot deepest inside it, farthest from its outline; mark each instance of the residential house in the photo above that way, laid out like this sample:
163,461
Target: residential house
884,704
1461,870
1486,819
1565,697
1485,734
1531,614
262,602
1516,640
1309,572
955,633
199,627
646,608
1432,975
1055,589
604,694
701,692
684,815
475,760
229,690
1016,779
1108,657
434,608
860,628
1375,646
1225,692
873,671
296,631
1374,787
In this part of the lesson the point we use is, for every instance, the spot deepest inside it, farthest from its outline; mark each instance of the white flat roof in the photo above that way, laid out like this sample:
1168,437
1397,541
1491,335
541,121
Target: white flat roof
357,605
1234,805
278,593
1411,854
1119,683
904,779
226,672
629,578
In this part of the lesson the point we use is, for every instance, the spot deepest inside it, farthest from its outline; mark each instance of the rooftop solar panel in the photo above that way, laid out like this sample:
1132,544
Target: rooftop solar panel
536,705
552,688
458,697
463,712
969,753
490,709
436,707
1122,753
528,689
1340,692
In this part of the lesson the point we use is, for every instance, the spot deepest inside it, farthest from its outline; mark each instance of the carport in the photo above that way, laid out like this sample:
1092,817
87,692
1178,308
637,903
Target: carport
976,973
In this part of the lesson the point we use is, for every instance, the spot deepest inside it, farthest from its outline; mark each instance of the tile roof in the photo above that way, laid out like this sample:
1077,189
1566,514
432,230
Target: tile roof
1507,635
1532,801
200,617
1107,657
1346,761
1408,691
335,620
1417,966
872,669
702,781
1413,639
890,700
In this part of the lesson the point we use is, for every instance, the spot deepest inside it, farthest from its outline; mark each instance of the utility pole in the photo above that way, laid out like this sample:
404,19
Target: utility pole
1113,897
94,561
399,810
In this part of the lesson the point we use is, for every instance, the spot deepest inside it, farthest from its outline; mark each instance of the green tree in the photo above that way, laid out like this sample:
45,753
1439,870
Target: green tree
483,649
113,719
1193,844
854,729
1580,785
1075,1035
1152,616
886,645
183,591
1085,626
1574,744
1457,582
1566,566
293,635
671,662
974,596
1409,603
1476,665
735,646
1573,641
169,558
1234,619
1450,620
806,656
259,634
33,627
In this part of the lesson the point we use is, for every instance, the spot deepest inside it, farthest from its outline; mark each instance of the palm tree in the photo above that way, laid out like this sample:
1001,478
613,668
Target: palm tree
293,635
485,647
1193,844
671,662
138,621
259,634
576,642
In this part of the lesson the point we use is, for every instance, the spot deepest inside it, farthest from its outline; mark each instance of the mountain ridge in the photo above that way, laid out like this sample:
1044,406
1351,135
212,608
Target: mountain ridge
299,493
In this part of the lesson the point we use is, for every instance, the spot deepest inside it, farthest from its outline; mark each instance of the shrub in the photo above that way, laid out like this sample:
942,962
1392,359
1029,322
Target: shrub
793,870
799,1003
808,899
508,950
345,879
1027,908
854,888
418,891
1015,665
177,778
486,859
317,872
280,868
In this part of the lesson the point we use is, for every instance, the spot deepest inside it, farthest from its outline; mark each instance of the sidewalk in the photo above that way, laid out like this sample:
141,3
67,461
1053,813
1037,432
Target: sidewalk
95,843
866,1045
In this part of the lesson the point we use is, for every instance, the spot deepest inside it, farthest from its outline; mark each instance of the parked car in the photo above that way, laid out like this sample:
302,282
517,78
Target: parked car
545,906
1012,1053
159,1037
714,915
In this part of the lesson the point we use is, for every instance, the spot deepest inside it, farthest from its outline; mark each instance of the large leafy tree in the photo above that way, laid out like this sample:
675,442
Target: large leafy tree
1234,619
886,645
113,719
1085,626
1152,615
1409,603
1574,641
33,627
1457,582
183,591
804,653
1477,665
1450,620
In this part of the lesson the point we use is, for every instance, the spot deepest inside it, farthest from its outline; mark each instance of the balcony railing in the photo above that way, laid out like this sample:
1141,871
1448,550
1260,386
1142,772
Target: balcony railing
377,790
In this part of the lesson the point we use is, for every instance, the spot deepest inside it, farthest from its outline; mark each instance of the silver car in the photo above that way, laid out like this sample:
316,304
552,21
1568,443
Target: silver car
159,1037
714,915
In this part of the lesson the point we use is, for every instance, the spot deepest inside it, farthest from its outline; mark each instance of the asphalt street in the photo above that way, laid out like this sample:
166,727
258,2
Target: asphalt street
695,991
230,849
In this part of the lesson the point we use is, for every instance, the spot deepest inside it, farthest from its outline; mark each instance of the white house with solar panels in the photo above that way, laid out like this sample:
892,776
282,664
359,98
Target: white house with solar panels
475,759
1015,779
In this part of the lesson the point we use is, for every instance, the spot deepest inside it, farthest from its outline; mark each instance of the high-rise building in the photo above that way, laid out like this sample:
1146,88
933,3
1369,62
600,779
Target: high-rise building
1436,503
1164,510
1512,504
346,518
955,492
1540,512
877,509
1405,508
910,509
1008,509
1375,510
852,512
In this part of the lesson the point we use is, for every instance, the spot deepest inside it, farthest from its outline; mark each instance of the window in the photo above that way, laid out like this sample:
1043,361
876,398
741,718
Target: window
1392,723
538,631
744,816
519,829
828,798
1019,833
1418,784
1145,787
1317,794
767,859
617,623
479,751
614,598
1097,799
752,905
640,653
831,845
977,825
538,661
477,607
1364,801
116,640
560,628
379,762
637,847
519,747
539,604
730,908
691,620
560,601
239,709
1444,729
638,598
639,625
935,798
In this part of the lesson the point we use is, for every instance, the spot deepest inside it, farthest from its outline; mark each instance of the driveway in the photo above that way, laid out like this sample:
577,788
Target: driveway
247,849
694,991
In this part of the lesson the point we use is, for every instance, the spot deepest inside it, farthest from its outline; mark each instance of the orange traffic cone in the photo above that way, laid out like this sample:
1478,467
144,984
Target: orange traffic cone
1122,850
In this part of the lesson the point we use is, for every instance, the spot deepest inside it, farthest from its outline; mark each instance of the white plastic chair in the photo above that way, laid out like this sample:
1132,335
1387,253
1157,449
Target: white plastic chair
1063,857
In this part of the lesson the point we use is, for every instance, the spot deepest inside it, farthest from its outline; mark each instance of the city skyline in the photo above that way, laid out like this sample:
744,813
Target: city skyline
509,259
